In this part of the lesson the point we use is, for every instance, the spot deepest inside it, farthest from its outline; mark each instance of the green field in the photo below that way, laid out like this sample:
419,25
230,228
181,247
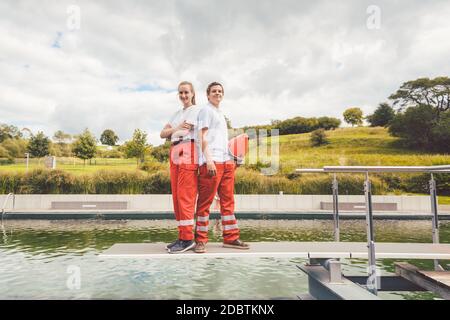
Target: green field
349,147
75,165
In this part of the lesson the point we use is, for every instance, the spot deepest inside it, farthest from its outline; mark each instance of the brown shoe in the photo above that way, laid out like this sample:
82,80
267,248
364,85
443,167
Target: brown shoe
237,244
200,247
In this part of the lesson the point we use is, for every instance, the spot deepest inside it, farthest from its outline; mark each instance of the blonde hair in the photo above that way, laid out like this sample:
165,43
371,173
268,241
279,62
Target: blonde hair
192,89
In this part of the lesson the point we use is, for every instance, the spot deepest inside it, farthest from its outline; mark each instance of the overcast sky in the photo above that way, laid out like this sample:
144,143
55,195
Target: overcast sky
117,64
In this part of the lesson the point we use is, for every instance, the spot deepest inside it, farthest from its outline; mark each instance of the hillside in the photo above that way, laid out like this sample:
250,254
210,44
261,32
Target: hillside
351,146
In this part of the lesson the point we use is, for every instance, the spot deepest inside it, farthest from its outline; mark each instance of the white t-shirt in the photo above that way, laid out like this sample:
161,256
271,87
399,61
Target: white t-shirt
189,115
217,136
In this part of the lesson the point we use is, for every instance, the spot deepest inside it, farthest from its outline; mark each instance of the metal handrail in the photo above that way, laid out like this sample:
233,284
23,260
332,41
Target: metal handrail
368,199
6,202
364,169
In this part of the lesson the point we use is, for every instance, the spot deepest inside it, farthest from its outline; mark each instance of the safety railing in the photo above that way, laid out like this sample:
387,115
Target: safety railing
9,195
368,202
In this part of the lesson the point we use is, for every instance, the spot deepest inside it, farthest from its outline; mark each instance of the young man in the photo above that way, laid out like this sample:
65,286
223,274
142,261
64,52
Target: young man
216,173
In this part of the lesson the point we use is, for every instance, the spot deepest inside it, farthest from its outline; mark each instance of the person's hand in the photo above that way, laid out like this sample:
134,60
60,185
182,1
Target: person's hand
183,126
211,168
181,130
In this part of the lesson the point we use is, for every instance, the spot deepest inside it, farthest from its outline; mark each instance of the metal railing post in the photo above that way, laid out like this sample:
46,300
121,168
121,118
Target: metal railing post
372,280
3,212
435,219
336,209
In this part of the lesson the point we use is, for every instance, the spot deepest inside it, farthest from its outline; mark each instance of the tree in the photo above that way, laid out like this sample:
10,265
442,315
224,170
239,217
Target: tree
424,91
16,148
9,132
382,116
137,147
38,145
417,125
85,146
328,123
61,137
109,138
423,113
62,147
318,138
353,116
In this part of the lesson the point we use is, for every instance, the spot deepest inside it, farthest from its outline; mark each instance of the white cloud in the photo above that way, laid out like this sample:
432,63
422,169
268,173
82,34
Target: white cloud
276,59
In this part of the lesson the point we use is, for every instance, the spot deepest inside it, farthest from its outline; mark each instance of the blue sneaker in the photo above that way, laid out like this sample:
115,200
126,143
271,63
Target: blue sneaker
182,246
170,245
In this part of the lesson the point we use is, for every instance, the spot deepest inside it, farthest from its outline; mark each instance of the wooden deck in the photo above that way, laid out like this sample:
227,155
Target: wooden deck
287,249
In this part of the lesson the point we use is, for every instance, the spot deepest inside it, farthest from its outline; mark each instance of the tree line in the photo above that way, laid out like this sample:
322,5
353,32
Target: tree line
83,146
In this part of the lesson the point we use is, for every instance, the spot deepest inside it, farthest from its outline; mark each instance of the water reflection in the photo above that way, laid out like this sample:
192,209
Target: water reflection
35,256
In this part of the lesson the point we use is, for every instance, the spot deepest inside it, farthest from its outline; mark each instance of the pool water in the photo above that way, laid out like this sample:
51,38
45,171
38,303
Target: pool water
42,259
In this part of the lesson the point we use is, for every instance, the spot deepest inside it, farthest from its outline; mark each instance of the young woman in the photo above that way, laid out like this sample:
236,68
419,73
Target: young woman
182,131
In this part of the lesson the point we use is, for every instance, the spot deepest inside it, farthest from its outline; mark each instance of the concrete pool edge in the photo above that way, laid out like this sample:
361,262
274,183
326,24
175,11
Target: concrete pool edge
151,215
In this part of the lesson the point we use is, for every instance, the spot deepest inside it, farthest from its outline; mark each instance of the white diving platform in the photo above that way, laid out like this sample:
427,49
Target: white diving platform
310,250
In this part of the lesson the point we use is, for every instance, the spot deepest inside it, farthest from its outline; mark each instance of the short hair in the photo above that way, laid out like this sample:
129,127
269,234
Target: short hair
212,84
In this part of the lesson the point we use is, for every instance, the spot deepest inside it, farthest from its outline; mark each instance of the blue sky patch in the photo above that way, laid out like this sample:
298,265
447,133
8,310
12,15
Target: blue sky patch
56,42
145,87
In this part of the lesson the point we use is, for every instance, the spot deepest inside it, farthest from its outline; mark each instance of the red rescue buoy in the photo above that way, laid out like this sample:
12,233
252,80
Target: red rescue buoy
238,147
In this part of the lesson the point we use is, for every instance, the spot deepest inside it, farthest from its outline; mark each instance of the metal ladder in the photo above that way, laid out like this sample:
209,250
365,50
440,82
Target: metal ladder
6,202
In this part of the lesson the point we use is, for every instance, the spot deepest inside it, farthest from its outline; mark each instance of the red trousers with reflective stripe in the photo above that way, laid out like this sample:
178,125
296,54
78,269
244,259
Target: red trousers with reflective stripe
183,180
222,184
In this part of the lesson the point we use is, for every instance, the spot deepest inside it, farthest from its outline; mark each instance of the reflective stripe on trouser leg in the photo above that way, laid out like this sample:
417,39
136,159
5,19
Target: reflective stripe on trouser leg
226,194
207,189
186,222
187,192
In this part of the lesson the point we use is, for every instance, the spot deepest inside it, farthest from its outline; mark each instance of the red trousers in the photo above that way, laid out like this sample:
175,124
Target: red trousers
223,184
183,180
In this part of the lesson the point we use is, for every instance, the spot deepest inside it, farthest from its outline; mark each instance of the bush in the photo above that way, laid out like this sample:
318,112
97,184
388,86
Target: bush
109,154
152,166
161,153
158,183
117,182
420,128
6,161
60,149
3,152
44,181
10,182
318,138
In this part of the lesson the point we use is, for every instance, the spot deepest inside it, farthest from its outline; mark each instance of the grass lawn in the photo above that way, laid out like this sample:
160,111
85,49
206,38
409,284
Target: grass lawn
444,200
76,166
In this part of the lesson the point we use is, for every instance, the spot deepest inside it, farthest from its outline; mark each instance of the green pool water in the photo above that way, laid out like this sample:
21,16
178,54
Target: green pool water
39,259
